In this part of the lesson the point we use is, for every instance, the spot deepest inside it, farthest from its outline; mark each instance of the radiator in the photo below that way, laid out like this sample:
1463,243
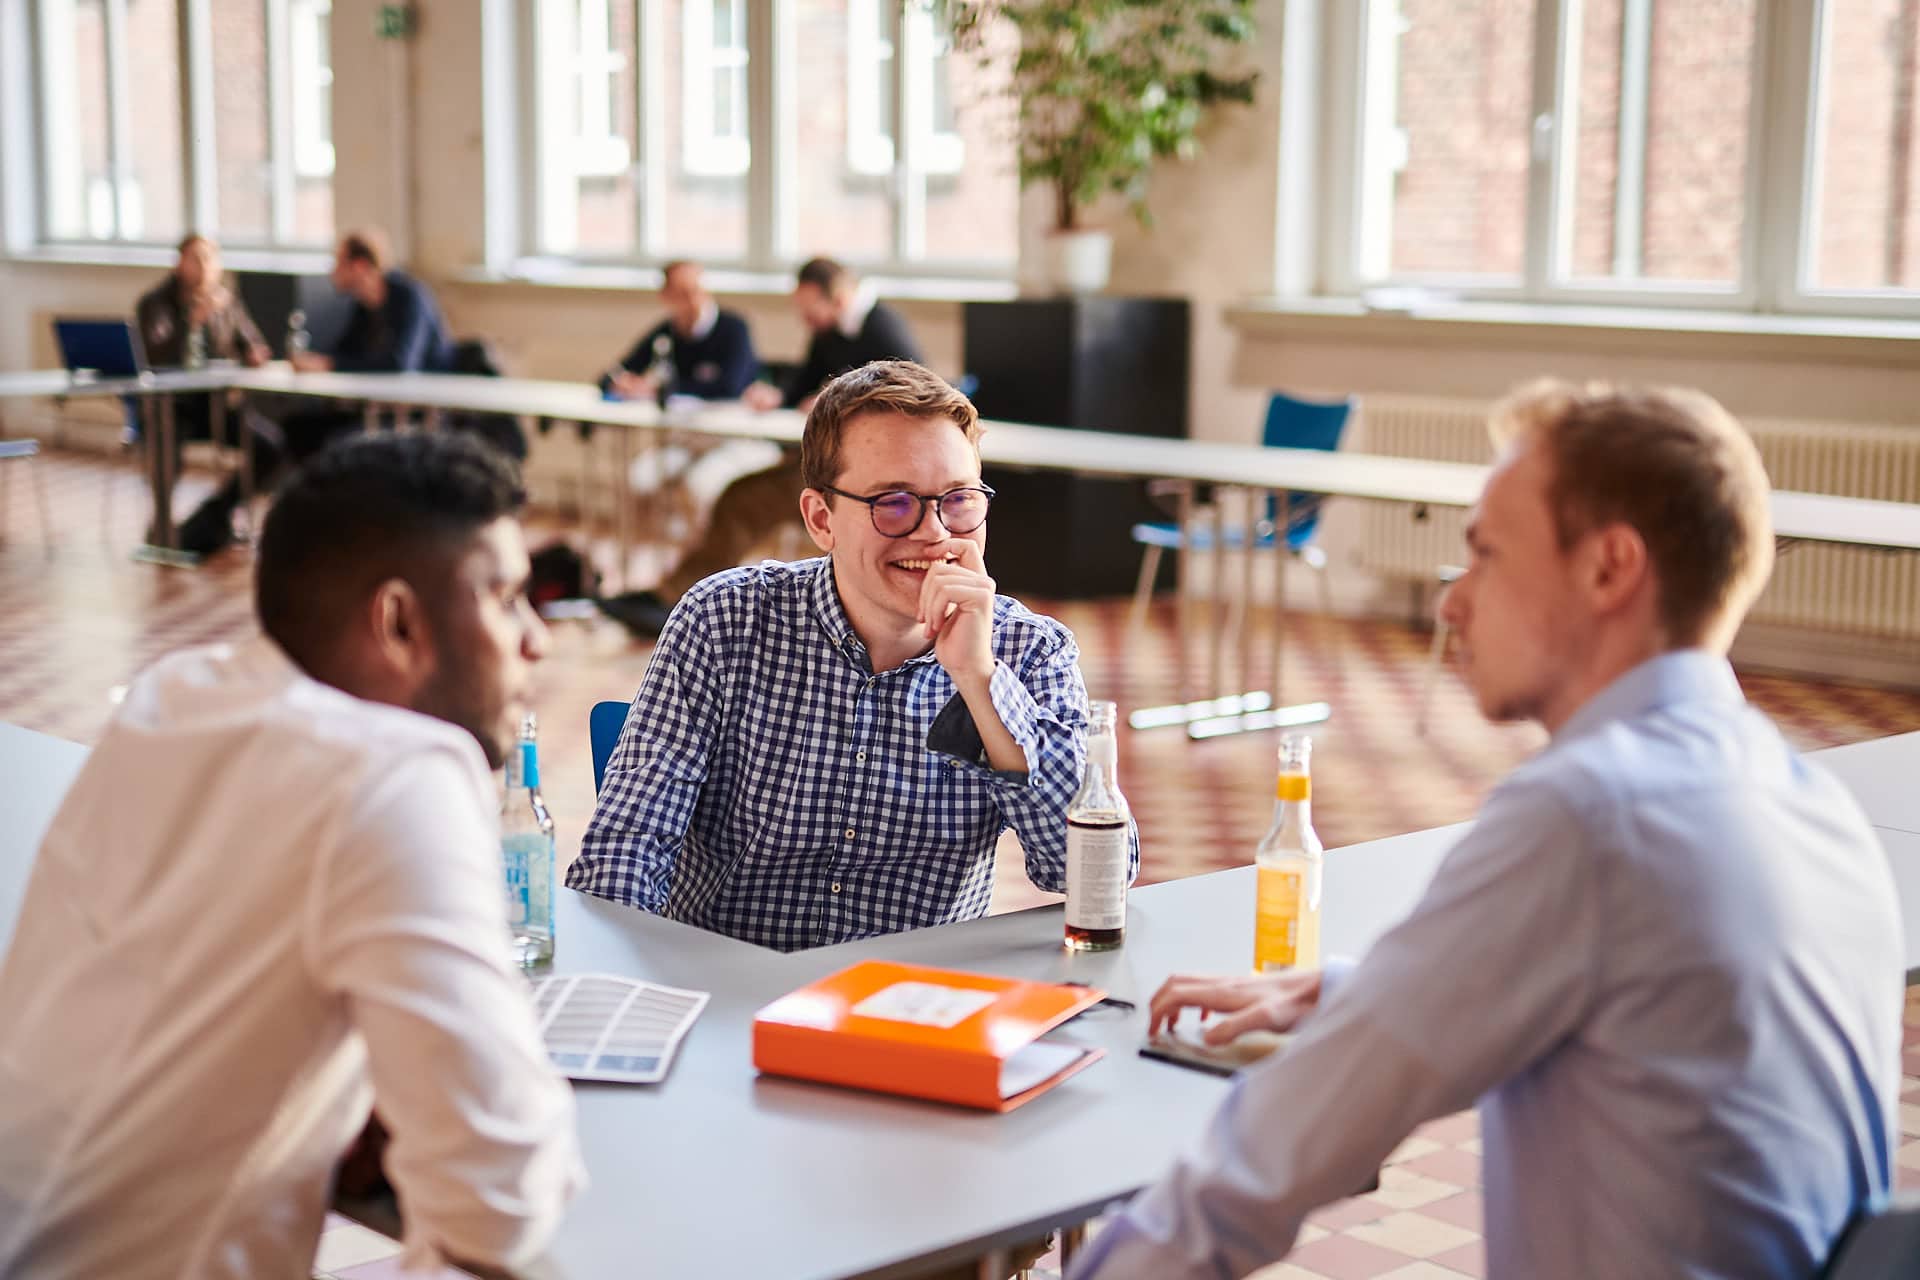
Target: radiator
1843,589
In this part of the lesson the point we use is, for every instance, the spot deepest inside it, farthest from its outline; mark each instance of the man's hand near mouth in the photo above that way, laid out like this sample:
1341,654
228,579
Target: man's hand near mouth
956,608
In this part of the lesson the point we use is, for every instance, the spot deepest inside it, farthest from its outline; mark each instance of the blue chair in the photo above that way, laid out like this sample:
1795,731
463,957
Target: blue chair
1881,1244
1292,423
604,723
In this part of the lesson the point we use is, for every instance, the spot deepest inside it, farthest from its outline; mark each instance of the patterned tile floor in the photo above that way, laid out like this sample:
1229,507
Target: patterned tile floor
80,618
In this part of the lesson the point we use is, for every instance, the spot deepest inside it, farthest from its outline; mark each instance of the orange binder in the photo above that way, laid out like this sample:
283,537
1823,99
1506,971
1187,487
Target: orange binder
965,1038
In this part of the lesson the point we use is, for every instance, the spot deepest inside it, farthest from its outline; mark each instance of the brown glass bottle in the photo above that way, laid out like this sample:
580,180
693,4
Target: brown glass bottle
1098,845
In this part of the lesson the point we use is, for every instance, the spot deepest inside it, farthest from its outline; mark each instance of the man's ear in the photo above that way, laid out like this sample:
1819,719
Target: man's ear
1616,567
814,510
403,642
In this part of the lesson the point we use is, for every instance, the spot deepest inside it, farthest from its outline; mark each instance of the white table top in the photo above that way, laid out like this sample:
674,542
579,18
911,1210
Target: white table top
1799,516
719,1172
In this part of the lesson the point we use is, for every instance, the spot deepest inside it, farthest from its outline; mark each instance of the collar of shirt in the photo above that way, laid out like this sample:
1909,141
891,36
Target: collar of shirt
854,318
832,617
1684,675
709,317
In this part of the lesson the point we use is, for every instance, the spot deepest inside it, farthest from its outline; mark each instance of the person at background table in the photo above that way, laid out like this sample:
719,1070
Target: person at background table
850,327
193,316
273,896
711,349
1667,958
831,749
395,327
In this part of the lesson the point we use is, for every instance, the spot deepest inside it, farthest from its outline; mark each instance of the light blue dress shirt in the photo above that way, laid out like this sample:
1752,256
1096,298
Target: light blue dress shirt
1667,962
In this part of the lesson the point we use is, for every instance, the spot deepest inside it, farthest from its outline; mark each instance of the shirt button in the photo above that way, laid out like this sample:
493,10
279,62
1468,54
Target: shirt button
849,833
860,757
836,886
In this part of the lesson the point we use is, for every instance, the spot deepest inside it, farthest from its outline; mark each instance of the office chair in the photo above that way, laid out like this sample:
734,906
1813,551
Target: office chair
1292,423
604,723
1881,1244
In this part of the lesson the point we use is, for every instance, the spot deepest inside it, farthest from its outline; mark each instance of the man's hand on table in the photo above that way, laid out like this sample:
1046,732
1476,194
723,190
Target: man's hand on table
1250,1002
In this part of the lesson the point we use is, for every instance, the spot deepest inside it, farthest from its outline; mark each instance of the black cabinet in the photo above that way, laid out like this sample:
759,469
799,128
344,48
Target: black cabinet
271,296
1095,364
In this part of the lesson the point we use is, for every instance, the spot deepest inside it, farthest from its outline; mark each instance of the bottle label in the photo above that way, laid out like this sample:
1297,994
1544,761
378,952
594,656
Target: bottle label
1096,877
529,868
1293,786
1286,929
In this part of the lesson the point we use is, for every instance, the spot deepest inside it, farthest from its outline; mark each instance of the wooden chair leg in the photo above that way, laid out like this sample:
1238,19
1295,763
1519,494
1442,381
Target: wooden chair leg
46,509
1143,589
1435,656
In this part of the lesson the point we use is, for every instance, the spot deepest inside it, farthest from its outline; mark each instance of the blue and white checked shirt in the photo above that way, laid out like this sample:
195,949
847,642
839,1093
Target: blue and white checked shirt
769,785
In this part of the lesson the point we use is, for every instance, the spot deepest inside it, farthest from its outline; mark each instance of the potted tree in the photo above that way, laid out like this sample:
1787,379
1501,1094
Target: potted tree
1104,88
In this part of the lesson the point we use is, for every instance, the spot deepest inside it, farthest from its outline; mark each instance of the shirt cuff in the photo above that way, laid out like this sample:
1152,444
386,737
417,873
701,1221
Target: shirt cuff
954,733
1334,974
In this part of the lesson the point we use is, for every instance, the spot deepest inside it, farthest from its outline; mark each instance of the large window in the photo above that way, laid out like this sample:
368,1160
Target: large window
158,116
755,133
1738,153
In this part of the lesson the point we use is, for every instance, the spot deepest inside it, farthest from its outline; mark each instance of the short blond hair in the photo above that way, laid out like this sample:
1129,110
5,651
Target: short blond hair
884,386
1673,465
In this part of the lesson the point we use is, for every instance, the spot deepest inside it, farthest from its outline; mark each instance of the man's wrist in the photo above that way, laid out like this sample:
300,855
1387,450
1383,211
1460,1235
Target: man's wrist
973,685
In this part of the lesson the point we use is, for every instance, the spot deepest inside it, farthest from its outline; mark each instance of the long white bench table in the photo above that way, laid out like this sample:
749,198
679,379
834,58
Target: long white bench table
719,1172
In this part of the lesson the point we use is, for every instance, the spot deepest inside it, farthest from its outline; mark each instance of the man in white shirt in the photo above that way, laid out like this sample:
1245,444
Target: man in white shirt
273,898
1667,958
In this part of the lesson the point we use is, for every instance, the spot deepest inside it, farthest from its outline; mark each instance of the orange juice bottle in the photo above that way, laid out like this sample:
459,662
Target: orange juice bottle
1289,866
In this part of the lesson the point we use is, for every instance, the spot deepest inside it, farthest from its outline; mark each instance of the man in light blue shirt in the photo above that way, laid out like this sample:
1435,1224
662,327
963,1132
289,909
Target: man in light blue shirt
1666,960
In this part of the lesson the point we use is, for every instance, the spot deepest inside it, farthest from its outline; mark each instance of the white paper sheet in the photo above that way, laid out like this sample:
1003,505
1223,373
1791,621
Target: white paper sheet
599,1026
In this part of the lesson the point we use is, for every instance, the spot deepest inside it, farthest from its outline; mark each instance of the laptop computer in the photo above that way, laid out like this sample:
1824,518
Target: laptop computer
100,348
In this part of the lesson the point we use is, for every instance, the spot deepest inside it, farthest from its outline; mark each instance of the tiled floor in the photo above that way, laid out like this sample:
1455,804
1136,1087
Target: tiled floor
80,618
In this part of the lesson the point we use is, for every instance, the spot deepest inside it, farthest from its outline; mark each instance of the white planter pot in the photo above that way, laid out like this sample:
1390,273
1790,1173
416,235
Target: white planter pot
1079,261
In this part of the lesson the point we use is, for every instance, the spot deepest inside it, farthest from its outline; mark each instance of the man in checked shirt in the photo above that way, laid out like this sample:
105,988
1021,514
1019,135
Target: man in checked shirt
830,749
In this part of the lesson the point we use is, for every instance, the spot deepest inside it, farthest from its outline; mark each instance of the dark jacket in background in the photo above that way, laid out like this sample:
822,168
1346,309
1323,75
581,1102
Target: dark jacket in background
161,316
718,366
883,336
404,335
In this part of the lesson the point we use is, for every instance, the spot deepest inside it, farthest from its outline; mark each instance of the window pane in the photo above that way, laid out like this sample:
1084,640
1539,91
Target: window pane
842,172
1658,188
1445,157
73,90
973,185
243,163
602,87
698,92
1866,218
152,202
310,50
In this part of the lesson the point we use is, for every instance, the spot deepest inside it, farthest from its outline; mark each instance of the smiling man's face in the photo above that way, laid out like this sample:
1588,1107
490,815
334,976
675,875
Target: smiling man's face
880,577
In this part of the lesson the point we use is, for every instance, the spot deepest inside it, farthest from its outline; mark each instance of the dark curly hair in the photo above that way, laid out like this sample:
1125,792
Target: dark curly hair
369,509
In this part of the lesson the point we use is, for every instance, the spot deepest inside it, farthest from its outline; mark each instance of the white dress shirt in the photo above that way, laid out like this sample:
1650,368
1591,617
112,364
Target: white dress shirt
263,906
1667,959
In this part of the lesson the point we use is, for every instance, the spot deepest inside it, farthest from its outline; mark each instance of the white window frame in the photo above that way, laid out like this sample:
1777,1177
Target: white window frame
533,203
312,85
600,149
109,204
870,81
704,150
1781,197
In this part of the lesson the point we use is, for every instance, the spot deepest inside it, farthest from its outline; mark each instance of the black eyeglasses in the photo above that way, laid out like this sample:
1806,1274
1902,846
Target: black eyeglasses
897,513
